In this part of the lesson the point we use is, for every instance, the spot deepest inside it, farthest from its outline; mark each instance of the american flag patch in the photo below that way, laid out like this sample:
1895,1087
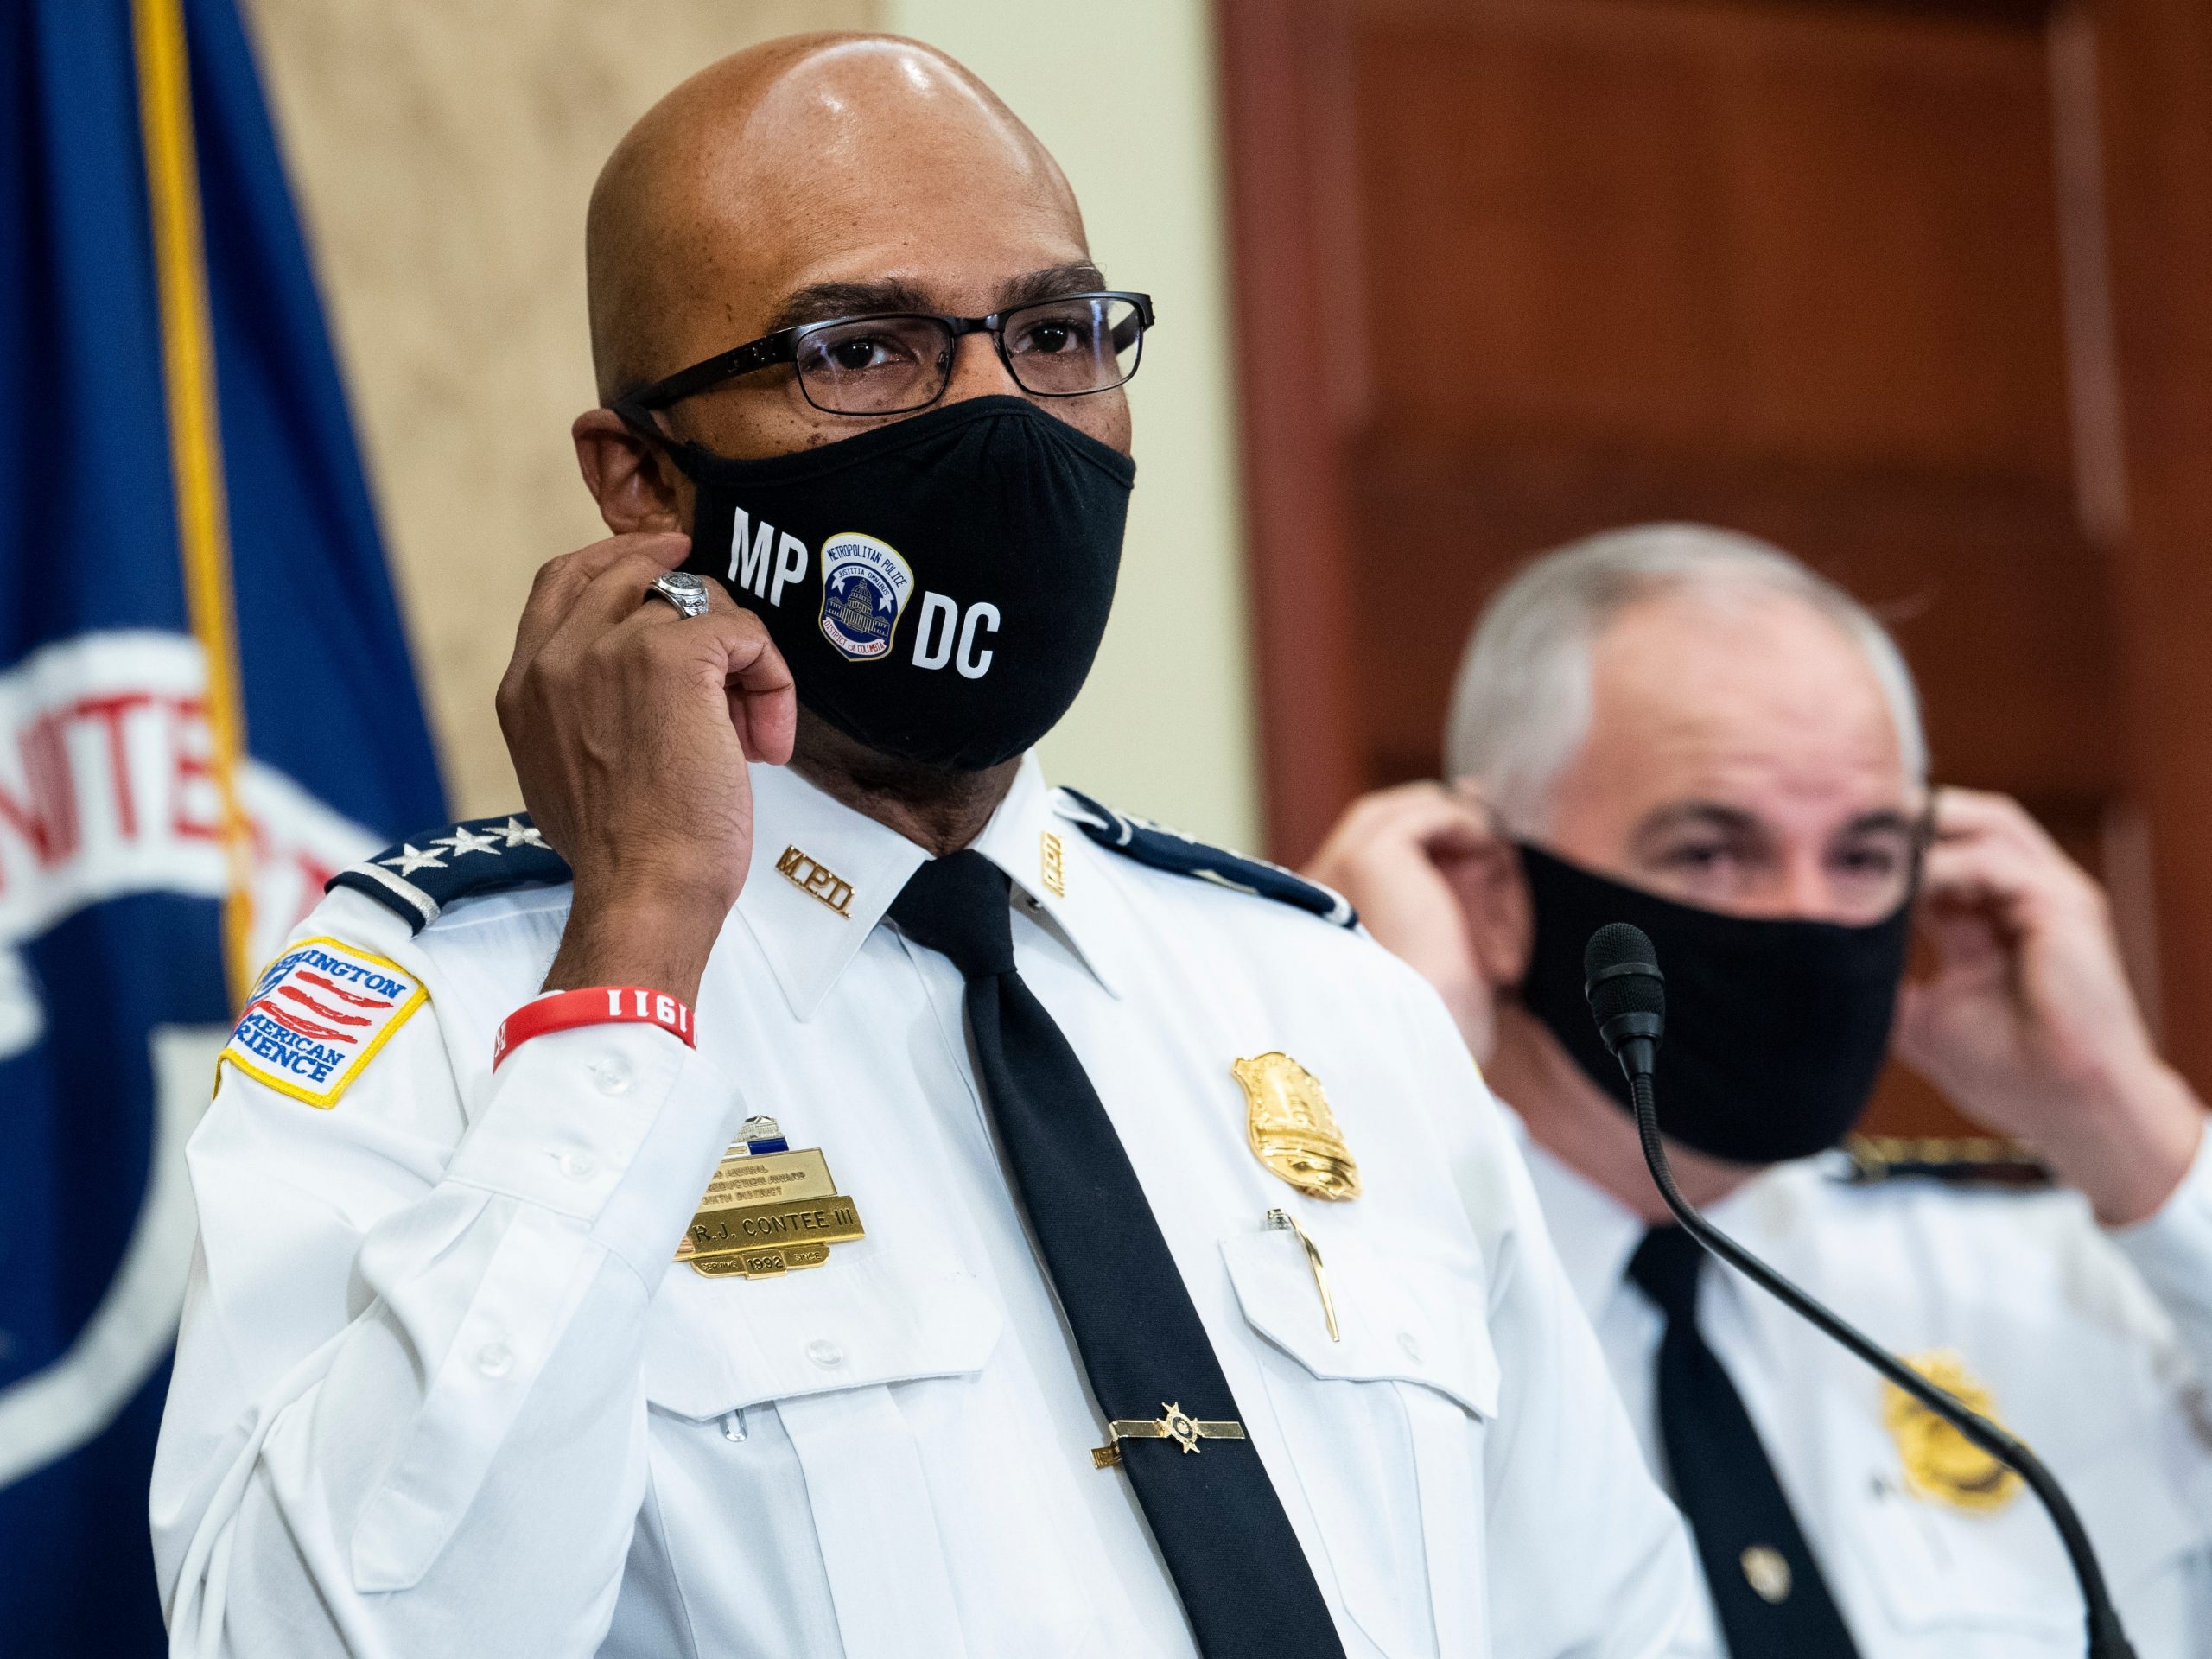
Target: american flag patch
317,1014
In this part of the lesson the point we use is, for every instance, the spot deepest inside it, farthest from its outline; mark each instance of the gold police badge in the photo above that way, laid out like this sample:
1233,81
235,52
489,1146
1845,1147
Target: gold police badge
1292,1129
1940,1463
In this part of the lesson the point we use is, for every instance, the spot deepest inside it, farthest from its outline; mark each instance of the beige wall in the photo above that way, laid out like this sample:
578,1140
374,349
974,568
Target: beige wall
443,155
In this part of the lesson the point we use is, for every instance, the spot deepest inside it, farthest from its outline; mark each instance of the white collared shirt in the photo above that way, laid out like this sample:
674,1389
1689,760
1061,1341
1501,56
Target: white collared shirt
2094,1345
439,1389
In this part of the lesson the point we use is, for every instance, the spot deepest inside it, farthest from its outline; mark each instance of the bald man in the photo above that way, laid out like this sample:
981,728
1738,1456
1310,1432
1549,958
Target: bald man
807,1188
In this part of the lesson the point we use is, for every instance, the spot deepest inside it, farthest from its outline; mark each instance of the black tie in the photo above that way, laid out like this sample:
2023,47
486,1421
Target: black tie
1766,1586
1244,1579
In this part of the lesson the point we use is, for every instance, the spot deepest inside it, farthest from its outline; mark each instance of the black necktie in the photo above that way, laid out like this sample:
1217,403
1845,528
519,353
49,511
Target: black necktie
1244,1579
1766,1586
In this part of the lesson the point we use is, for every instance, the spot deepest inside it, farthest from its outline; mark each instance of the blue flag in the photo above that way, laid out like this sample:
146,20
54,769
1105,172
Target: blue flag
206,708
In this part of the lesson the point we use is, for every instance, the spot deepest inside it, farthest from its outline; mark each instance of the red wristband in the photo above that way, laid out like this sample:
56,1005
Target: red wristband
596,1005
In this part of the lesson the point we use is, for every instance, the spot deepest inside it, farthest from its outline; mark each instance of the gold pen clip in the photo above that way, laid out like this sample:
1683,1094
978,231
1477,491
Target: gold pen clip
1283,1222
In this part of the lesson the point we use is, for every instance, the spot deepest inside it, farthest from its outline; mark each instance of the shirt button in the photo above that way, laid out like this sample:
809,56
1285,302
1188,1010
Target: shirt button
1411,1344
828,1355
1767,1571
495,1359
578,1165
613,1075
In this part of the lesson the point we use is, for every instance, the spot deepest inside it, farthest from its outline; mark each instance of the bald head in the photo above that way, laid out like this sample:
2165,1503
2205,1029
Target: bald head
800,167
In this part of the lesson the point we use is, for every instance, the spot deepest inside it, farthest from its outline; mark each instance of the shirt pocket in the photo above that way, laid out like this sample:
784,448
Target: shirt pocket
836,1352
1971,1583
1385,1428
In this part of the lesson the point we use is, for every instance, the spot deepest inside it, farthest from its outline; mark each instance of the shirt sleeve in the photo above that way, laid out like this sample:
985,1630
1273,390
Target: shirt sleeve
1588,1558
407,1413
2172,1251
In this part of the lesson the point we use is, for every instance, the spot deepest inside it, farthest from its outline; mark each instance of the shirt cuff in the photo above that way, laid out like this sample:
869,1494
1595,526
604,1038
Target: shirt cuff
2172,1247
617,1126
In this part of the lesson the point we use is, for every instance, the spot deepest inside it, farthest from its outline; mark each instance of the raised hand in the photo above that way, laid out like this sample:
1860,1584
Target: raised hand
1419,863
630,726
2028,1023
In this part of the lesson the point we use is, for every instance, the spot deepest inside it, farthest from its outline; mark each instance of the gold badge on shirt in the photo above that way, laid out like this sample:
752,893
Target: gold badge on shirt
1940,1463
1292,1129
768,1210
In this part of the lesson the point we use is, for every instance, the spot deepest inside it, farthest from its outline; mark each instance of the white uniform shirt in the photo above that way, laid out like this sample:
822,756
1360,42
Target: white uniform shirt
2095,1347
440,1390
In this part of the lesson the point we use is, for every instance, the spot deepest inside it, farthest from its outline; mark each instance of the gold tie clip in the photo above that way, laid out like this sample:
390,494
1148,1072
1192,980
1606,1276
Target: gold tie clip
1174,1424
1283,1222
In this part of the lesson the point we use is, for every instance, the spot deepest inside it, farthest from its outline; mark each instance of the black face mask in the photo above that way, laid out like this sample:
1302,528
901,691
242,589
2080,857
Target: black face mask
940,585
1774,1029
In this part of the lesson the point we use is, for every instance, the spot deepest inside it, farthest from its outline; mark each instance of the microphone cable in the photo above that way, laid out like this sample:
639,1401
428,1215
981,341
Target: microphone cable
1628,999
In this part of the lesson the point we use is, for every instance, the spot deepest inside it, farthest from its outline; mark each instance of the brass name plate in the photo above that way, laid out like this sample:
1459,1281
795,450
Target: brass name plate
802,1221
768,1212
768,1178
769,1238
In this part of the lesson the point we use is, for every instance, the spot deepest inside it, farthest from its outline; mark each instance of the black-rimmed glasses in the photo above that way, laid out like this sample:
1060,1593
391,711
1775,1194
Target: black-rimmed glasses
901,362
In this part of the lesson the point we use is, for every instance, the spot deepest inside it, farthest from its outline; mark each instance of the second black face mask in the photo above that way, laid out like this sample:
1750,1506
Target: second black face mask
938,586
1776,1030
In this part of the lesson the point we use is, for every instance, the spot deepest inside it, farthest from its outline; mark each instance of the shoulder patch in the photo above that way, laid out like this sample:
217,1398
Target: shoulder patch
317,1016
416,880
1976,1160
1172,850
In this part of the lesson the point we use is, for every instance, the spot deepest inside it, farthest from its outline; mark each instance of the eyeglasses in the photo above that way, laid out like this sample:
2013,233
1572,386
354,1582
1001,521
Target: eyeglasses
895,364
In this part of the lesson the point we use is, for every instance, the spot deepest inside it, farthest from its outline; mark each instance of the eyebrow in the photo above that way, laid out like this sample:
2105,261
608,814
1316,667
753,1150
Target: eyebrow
1710,815
1053,283
1885,819
1735,820
828,302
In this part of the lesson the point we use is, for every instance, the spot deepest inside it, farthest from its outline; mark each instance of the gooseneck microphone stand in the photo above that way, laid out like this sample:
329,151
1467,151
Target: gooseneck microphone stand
1627,999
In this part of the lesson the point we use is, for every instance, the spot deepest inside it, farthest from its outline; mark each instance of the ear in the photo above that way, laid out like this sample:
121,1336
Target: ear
636,487
1500,918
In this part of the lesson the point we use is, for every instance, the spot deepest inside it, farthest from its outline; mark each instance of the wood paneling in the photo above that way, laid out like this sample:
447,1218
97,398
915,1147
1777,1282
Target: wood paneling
1793,231
1792,269
2155,57
1288,346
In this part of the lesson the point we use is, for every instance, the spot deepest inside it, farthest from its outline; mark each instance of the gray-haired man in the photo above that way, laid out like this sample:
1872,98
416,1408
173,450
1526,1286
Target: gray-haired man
1688,729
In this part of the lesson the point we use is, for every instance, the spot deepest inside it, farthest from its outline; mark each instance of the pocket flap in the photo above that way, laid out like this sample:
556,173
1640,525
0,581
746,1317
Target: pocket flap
864,1317
1407,1321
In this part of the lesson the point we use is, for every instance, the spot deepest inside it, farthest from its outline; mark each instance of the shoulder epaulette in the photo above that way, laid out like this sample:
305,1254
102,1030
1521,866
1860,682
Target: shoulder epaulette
416,880
1172,850
1967,1160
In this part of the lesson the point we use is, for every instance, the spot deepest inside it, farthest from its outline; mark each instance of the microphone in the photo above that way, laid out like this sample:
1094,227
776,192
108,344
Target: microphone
1627,999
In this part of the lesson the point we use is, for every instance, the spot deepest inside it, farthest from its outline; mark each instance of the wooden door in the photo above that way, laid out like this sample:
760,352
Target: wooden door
1836,273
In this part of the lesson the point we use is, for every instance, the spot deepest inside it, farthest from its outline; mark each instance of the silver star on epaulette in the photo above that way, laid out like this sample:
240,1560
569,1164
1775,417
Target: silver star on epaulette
410,861
465,840
519,834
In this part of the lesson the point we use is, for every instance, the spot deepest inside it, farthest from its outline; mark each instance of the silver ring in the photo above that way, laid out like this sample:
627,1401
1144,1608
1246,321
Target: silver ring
683,590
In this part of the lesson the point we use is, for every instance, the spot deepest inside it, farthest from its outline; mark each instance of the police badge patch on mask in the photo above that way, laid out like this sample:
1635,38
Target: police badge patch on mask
768,1210
864,588
316,1016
